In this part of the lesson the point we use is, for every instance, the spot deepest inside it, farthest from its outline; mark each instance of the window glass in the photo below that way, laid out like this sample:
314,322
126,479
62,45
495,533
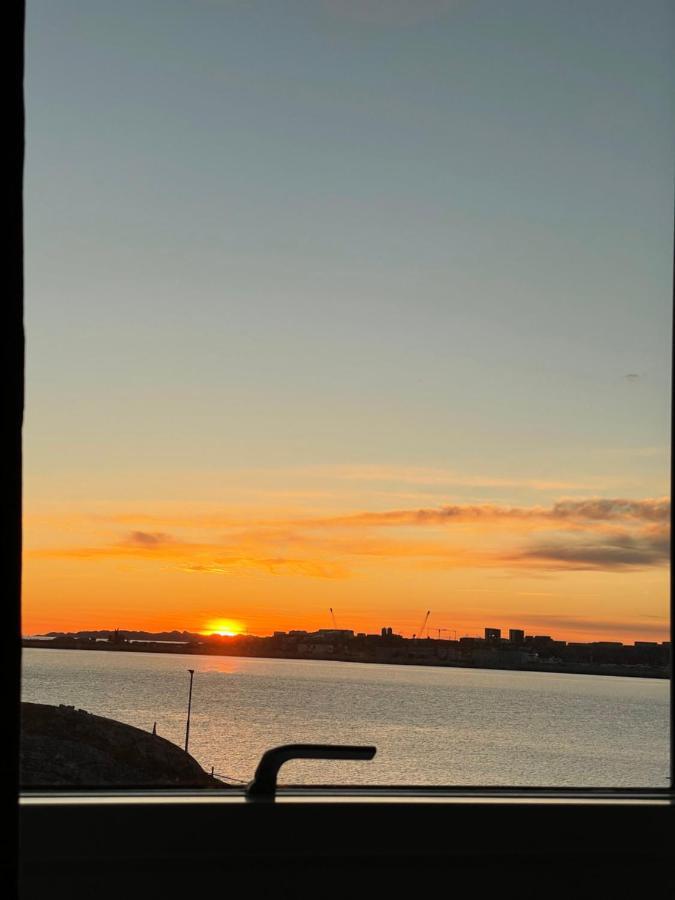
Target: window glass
348,390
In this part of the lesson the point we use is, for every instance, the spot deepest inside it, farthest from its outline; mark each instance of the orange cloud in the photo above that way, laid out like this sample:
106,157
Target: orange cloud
273,566
597,533
197,557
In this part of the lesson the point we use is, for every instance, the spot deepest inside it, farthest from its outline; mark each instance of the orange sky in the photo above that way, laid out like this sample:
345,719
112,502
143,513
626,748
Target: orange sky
376,316
364,315
579,569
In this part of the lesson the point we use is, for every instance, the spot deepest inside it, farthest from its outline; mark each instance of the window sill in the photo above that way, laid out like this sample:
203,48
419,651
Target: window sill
386,841
328,794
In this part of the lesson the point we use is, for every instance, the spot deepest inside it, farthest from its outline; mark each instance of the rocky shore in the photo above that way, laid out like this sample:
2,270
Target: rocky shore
66,747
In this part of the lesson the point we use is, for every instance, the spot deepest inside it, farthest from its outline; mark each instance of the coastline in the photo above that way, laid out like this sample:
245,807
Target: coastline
606,669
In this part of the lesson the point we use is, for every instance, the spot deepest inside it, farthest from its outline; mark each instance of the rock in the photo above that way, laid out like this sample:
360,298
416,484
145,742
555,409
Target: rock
67,747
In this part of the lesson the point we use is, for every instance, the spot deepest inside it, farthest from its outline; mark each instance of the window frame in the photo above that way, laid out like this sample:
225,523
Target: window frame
123,816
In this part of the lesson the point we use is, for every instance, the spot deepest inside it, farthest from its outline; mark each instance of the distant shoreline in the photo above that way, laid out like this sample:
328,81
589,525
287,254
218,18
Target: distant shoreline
606,669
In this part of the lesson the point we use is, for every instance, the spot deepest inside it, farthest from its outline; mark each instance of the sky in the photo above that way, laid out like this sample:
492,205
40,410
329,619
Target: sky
350,305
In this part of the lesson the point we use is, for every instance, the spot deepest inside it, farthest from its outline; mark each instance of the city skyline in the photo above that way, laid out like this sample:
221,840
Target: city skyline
430,632
491,650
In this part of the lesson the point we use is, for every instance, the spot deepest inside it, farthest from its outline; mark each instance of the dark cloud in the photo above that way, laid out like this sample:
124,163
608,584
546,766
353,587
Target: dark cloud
552,621
602,551
149,539
603,509
594,509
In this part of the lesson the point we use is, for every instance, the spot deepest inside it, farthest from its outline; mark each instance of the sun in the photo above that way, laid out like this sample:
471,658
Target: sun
224,627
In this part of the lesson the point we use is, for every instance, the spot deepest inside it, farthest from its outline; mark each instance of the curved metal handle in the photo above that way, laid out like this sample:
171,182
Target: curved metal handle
264,784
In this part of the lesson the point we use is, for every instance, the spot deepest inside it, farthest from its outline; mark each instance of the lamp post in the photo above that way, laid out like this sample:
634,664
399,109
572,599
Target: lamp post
187,727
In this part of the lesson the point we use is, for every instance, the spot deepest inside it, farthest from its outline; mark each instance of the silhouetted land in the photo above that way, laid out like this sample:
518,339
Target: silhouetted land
530,653
66,747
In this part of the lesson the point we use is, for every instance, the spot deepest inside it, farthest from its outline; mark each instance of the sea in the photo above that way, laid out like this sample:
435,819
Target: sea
431,726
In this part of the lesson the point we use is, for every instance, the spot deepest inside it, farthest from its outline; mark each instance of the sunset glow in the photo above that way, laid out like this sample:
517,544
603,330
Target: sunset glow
224,628
582,568
362,313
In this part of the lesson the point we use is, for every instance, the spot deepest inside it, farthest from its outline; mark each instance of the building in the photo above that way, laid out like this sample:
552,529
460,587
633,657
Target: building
334,633
493,635
516,635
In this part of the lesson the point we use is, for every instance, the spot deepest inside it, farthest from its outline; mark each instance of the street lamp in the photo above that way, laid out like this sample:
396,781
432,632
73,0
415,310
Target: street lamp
187,727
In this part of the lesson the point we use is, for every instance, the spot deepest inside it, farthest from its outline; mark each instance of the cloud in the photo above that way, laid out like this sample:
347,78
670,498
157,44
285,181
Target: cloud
272,565
599,509
595,509
603,534
149,539
658,630
205,557
617,550
563,513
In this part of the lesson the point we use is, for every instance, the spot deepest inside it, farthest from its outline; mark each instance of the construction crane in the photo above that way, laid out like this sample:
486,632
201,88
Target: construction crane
449,630
420,633
332,615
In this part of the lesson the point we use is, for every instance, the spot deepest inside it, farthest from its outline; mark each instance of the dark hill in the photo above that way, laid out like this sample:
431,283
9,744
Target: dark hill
66,747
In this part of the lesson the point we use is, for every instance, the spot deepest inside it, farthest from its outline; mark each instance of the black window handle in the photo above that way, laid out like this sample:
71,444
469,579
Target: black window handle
264,784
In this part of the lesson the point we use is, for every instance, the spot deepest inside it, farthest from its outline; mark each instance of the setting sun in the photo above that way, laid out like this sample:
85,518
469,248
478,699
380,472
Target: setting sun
224,627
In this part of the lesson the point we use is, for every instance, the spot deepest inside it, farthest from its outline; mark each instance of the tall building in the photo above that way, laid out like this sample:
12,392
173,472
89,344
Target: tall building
493,635
516,635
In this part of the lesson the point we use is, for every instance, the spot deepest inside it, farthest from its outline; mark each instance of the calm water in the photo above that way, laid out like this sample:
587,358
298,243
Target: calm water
430,725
